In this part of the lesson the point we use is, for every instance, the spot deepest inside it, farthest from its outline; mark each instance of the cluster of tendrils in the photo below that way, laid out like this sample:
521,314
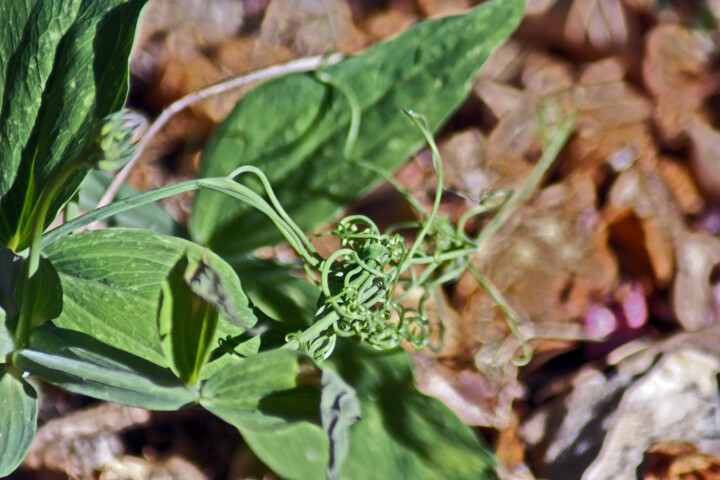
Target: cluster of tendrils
359,282
365,285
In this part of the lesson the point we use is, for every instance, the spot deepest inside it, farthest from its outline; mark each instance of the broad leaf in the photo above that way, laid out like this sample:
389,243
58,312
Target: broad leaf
263,391
63,67
283,297
43,300
428,69
18,420
339,410
81,364
111,282
402,433
186,321
150,217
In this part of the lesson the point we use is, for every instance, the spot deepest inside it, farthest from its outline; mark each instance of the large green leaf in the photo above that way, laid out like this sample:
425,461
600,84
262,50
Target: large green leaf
63,67
18,420
339,410
79,363
111,282
295,128
264,391
402,433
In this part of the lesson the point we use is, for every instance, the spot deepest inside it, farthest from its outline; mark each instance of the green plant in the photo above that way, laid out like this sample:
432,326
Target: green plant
154,320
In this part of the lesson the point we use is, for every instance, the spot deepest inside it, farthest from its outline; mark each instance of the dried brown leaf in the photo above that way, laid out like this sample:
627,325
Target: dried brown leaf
384,23
675,70
705,142
309,27
678,179
473,396
603,23
612,125
695,293
673,460
84,439
433,8
509,447
548,261
172,468
505,63
462,156
643,195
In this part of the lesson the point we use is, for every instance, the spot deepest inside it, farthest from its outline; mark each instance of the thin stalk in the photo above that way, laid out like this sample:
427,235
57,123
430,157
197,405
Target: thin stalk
220,184
510,315
550,153
438,194
298,65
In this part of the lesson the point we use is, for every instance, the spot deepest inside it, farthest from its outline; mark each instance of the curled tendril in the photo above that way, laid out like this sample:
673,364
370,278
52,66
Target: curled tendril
359,282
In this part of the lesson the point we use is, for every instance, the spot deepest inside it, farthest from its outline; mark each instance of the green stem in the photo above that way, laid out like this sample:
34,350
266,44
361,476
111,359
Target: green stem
220,184
550,153
24,326
42,209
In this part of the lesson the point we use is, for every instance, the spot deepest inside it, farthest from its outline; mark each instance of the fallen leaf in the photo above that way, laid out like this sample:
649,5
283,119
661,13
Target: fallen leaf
673,460
433,8
705,143
603,23
695,299
677,178
640,194
675,70
309,27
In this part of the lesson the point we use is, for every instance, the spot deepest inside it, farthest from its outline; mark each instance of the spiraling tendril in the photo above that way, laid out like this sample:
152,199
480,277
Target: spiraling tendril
365,285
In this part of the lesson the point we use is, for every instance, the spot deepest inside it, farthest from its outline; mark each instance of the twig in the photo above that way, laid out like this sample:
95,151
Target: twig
298,65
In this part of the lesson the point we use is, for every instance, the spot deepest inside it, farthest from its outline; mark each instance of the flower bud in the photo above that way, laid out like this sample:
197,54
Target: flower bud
117,139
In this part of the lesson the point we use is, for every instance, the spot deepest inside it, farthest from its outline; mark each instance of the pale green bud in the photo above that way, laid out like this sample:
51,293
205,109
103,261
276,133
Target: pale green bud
118,138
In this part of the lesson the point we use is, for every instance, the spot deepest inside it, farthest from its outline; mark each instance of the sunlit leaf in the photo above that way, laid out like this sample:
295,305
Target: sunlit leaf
263,391
18,419
186,321
81,364
111,282
429,69
63,67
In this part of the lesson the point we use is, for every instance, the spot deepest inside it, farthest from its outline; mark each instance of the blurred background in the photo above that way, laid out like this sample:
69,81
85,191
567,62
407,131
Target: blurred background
613,265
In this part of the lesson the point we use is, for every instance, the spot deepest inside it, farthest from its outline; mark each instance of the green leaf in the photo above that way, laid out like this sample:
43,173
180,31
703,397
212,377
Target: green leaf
283,297
339,410
150,217
111,281
402,433
18,420
186,321
45,299
63,67
79,363
264,391
428,69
